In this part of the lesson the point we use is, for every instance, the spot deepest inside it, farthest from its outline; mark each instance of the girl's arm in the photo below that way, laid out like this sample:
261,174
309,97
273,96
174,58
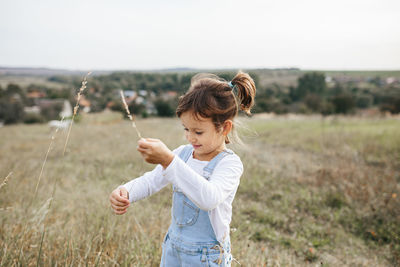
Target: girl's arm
206,194
149,183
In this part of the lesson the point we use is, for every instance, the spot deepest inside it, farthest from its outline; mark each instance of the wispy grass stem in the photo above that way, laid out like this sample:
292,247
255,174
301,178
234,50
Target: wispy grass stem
129,114
83,87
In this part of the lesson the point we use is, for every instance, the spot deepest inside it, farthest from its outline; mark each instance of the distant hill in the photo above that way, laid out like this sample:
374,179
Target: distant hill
44,72
47,72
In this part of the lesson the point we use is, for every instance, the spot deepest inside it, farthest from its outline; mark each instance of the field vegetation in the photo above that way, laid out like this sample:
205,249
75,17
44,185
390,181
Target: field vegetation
36,99
316,191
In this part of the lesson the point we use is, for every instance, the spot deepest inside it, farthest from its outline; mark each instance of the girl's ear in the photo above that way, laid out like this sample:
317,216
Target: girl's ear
227,127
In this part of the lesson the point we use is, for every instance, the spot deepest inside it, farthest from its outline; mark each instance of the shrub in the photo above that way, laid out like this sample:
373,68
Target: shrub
51,111
313,101
164,108
343,103
11,111
33,118
364,101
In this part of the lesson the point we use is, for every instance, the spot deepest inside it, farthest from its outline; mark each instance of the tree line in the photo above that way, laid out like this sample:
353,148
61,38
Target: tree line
311,94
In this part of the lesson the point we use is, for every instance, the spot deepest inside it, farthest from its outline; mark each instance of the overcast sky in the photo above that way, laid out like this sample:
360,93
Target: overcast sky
118,34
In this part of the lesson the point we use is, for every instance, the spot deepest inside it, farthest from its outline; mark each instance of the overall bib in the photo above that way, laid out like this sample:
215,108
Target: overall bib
190,240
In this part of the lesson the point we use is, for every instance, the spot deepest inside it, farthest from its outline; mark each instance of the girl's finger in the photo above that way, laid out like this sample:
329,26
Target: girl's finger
119,201
118,208
152,140
142,150
119,205
143,143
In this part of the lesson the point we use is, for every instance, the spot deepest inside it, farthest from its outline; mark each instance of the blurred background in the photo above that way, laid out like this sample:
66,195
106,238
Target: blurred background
322,150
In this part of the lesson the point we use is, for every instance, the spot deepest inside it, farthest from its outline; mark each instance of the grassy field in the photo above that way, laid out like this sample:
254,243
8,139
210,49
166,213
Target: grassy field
315,192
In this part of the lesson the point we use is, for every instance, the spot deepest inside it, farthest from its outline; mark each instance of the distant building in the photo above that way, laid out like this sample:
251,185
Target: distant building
36,95
328,79
130,96
391,80
84,104
143,92
32,110
169,95
130,93
66,110
150,108
139,100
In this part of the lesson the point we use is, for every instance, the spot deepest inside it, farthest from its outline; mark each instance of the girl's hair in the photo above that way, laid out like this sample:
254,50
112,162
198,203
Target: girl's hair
212,97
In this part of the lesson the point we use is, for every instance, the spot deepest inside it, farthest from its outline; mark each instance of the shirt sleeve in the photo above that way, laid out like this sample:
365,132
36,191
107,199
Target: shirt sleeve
206,194
149,183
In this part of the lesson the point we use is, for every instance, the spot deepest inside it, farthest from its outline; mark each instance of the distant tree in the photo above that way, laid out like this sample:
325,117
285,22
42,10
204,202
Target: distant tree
117,106
30,118
52,111
164,108
269,105
313,102
343,103
327,108
58,93
11,111
59,79
364,101
337,89
391,104
14,89
377,81
12,104
137,109
313,82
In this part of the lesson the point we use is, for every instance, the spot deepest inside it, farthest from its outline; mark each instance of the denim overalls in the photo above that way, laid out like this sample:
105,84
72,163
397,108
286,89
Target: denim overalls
191,240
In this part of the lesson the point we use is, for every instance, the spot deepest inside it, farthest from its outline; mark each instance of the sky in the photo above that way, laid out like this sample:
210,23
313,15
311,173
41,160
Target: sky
143,35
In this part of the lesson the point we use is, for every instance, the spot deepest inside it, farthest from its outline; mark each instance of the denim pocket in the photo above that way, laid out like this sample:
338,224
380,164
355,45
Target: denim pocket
185,212
216,259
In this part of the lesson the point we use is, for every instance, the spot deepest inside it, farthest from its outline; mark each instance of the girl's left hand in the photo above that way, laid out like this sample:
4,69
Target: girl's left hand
155,151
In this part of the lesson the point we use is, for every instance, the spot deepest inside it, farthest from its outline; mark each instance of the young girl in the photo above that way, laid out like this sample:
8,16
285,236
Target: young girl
204,174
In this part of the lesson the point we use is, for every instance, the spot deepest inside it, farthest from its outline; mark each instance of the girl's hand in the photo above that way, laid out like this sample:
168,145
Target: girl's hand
154,151
119,199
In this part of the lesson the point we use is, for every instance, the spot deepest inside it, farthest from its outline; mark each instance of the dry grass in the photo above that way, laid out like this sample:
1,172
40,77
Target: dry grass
131,117
80,92
308,193
5,180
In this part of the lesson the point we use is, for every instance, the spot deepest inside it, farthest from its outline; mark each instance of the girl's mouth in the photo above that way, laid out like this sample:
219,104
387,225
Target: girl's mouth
196,146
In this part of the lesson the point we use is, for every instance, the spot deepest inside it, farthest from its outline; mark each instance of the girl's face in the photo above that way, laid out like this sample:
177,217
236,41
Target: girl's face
201,133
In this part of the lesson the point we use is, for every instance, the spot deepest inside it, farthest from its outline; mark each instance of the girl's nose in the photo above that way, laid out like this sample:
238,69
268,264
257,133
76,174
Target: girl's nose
191,137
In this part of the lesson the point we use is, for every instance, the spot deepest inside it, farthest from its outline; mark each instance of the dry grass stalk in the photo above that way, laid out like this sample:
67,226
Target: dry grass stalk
36,188
5,180
129,114
83,87
47,154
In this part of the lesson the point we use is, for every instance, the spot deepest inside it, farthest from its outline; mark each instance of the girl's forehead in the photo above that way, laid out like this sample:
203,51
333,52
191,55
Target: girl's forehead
190,120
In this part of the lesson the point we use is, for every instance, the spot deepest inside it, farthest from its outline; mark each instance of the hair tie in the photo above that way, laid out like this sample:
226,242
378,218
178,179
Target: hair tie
231,85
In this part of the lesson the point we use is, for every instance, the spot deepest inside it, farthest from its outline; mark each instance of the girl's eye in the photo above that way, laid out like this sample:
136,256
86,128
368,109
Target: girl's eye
186,129
199,133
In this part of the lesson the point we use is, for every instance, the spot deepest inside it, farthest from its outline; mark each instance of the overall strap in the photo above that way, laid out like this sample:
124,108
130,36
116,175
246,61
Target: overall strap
186,152
208,170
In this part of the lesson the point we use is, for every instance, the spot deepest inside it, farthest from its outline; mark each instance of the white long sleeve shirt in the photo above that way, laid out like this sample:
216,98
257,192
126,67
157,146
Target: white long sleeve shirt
214,195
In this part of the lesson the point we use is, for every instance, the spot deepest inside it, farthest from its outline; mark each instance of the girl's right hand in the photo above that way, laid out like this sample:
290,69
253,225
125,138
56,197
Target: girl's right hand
119,199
